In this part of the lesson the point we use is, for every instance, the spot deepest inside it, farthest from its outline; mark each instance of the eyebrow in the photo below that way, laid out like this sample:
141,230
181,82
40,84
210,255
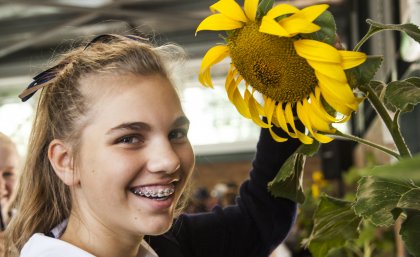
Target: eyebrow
181,121
139,126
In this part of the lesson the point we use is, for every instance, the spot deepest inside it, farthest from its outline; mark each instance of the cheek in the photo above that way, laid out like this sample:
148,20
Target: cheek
10,183
110,169
188,159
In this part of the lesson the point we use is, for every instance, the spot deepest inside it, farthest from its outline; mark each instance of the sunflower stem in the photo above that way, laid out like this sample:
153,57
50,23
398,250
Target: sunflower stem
366,142
372,30
391,124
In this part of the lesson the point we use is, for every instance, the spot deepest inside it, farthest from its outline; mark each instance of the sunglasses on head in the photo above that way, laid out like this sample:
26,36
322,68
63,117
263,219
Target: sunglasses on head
40,80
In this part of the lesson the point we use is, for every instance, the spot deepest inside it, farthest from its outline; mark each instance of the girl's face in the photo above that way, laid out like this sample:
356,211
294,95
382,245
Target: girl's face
8,172
135,158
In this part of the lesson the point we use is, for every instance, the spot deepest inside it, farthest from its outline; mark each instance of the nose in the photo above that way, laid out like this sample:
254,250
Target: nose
163,158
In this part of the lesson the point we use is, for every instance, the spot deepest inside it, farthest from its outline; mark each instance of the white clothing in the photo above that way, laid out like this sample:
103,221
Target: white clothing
40,245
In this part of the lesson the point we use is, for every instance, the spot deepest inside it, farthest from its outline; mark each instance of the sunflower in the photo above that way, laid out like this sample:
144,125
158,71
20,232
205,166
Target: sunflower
299,78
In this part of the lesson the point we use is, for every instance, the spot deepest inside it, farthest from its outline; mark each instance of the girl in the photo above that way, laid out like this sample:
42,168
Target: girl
109,159
9,161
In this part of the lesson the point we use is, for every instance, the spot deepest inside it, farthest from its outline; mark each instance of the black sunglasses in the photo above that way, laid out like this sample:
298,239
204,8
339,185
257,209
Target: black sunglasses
45,76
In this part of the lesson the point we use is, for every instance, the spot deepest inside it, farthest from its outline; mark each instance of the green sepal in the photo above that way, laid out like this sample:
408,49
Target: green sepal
364,73
377,197
335,223
288,181
263,7
327,33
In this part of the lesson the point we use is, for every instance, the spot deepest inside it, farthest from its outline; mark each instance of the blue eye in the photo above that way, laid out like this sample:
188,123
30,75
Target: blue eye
178,134
131,139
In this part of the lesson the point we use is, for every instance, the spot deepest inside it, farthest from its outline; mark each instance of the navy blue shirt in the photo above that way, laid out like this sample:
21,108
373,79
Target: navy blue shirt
253,227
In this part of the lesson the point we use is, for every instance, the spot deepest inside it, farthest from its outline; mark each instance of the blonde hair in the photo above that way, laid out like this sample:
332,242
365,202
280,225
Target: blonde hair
43,200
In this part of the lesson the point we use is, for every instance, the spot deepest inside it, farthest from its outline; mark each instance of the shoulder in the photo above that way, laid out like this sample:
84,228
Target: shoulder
40,245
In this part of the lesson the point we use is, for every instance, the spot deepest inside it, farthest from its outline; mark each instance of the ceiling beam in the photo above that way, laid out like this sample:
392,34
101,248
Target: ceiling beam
108,9
38,36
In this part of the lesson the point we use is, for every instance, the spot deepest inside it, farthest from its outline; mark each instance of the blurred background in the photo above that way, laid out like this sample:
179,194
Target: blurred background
32,31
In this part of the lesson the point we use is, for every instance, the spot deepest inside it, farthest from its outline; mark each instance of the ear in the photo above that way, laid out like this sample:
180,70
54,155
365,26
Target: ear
61,159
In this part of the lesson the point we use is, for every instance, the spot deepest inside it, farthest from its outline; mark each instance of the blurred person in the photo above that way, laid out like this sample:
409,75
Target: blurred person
9,161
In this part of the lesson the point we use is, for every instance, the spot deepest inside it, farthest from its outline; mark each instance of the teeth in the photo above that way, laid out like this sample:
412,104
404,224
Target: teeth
153,193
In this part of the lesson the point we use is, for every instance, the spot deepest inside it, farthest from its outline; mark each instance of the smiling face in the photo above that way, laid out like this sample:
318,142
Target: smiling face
135,157
8,172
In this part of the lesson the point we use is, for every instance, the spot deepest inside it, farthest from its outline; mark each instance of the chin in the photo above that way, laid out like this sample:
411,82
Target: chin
161,229
160,225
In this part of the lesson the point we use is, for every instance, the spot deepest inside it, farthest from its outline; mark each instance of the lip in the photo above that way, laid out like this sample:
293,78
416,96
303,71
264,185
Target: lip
157,183
153,204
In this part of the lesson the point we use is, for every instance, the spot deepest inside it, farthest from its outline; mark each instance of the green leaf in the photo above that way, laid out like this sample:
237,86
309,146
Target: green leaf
411,29
334,224
364,73
410,231
379,88
409,204
289,179
327,33
308,150
403,95
410,200
377,197
410,167
264,7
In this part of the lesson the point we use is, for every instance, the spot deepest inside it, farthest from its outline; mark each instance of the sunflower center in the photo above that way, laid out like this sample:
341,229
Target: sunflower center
271,65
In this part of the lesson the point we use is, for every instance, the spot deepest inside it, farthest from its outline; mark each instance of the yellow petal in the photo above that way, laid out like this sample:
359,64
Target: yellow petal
301,112
310,13
290,119
219,22
230,9
322,138
269,106
276,137
317,121
260,109
319,108
304,117
295,26
317,51
331,70
250,7
340,91
280,10
281,118
229,79
254,113
213,56
205,78
272,27
235,96
304,138
352,59
336,104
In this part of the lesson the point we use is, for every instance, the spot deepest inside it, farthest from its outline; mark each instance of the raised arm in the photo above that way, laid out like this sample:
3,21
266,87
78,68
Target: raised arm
252,227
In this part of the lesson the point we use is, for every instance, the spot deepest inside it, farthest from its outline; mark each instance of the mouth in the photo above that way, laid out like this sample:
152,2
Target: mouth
155,192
